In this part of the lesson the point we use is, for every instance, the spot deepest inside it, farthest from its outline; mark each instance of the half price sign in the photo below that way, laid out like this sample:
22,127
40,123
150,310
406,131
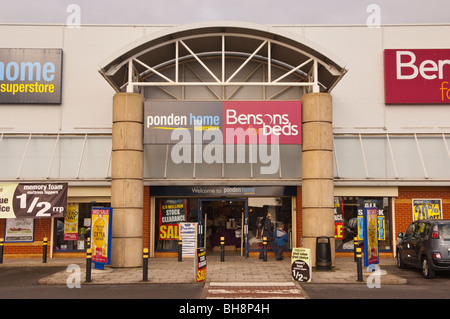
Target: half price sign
33,200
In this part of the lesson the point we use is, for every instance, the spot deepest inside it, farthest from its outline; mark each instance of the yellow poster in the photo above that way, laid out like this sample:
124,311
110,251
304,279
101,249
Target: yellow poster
427,209
100,233
71,222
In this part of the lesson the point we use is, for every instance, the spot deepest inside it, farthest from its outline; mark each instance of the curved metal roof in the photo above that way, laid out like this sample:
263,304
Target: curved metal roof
145,62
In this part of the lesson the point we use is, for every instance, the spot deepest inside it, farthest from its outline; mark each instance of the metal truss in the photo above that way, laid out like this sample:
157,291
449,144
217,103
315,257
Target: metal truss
285,65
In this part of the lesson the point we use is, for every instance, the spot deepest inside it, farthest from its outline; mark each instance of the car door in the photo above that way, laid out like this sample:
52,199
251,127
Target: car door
417,242
406,250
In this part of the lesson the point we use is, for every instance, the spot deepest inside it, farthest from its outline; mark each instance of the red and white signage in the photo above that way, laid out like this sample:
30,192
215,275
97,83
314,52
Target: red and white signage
262,122
417,76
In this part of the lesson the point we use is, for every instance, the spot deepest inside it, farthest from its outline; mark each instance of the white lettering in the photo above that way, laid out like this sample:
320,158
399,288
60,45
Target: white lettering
427,69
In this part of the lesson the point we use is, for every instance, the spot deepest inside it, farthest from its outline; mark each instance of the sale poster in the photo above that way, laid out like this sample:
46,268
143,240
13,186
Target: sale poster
101,234
371,255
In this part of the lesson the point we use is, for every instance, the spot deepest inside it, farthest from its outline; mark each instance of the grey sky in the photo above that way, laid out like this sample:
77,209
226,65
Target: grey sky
258,11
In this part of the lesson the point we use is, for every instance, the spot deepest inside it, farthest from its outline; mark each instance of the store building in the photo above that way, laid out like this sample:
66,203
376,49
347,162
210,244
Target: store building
142,118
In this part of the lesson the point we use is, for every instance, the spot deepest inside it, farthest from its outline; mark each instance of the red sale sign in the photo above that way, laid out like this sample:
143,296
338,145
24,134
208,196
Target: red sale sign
417,76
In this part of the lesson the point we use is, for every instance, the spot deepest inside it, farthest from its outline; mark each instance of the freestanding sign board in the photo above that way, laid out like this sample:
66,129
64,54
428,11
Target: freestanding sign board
101,223
301,264
188,234
371,255
200,264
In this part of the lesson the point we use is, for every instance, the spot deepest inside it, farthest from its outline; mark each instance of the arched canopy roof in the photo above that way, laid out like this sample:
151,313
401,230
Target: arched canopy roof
154,59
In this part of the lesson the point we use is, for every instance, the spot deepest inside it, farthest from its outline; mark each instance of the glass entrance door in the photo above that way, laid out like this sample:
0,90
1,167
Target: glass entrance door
226,218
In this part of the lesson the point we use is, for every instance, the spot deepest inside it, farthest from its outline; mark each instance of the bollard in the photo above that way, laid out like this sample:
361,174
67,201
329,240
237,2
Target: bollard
1,250
264,248
180,249
88,265
44,251
222,249
355,245
359,264
145,265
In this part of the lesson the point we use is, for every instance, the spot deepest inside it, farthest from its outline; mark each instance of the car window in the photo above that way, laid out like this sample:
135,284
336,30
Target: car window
410,231
427,230
445,232
419,232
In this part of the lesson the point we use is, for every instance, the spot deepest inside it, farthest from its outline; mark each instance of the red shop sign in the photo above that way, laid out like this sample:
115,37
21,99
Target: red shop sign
417,76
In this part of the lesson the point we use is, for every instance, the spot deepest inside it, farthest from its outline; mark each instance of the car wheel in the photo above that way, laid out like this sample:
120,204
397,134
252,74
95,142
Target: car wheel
400,263
427,271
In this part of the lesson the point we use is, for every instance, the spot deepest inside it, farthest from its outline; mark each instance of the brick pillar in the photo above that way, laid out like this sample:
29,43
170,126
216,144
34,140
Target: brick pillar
127,180
317,171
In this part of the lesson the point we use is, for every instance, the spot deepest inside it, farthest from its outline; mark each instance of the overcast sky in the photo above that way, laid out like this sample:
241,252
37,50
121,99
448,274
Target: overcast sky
258,11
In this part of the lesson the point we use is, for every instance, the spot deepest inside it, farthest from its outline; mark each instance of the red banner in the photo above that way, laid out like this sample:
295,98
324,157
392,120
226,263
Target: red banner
418,76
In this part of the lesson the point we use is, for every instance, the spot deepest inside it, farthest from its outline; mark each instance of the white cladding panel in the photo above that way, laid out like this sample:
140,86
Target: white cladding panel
358,99
358,103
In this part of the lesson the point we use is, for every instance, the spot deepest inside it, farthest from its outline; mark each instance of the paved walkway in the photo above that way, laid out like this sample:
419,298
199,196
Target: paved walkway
234,269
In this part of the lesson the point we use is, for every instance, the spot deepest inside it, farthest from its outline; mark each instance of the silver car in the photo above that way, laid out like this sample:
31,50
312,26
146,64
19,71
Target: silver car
425,245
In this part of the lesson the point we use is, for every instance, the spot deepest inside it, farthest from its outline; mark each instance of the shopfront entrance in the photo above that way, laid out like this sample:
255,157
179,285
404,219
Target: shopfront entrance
227,218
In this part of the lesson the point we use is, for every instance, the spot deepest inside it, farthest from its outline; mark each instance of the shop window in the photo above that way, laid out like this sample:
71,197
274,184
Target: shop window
71,232
348,218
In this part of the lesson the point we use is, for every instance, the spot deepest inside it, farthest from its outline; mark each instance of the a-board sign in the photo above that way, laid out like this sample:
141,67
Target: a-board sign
200,264
188,234
301,264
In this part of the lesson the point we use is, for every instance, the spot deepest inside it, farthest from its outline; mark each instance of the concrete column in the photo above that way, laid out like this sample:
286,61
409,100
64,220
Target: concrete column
317,171
127,180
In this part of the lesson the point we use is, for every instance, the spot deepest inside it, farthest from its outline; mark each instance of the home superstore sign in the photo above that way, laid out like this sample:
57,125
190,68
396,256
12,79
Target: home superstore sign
30,76
222,122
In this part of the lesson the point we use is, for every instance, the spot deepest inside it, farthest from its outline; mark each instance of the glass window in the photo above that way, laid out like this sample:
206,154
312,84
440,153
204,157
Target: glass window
258,208
72,231
348,214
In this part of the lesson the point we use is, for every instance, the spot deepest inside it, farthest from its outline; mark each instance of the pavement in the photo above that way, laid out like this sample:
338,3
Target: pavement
236,277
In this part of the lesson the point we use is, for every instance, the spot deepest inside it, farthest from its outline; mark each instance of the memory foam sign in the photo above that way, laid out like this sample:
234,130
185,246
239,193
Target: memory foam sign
30,76
417,76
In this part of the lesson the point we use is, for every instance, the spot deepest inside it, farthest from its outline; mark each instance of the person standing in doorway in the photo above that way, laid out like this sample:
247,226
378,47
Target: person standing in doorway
268,230
281,239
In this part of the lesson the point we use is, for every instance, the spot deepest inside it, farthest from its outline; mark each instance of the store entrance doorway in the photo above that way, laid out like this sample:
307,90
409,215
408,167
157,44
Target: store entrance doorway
226,218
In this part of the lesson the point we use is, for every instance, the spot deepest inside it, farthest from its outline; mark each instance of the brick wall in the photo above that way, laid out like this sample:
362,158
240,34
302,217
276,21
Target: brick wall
42,229
403,203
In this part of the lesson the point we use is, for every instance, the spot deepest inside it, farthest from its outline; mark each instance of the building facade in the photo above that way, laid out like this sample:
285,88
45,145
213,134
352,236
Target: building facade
141,120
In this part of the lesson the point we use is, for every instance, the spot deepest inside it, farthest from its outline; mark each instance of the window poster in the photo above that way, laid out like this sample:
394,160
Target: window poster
19,230
71,222
427,209
339,218
171,213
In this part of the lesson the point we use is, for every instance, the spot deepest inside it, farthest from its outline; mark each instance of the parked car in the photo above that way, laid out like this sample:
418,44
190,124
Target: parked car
425,245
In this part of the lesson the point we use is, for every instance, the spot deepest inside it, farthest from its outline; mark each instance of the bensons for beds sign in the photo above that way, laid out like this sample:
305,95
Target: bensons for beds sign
30,76
417,76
